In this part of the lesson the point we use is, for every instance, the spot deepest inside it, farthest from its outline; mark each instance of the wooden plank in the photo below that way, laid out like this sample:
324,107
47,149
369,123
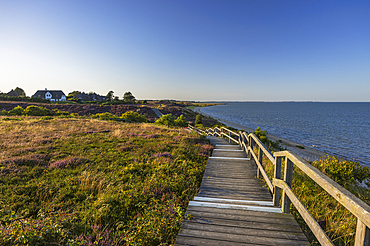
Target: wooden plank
220,200
362,234
235,206
238,216
239,238
274,233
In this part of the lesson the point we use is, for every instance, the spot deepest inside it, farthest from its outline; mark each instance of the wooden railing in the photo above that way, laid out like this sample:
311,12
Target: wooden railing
249,143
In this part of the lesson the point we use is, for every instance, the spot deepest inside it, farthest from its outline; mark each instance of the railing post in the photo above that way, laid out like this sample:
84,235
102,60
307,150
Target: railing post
277,175
251,147
288,176
362,234
260,152
229,137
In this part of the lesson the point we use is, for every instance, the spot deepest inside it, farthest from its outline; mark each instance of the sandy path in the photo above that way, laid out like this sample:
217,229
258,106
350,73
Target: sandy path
307,153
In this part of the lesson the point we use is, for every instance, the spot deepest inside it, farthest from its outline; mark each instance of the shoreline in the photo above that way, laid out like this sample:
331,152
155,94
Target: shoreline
308,153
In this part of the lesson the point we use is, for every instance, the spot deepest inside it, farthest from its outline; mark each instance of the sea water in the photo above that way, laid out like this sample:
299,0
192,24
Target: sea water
339,128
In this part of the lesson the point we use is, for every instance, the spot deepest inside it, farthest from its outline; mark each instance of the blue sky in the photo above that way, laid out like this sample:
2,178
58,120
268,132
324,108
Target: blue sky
189,50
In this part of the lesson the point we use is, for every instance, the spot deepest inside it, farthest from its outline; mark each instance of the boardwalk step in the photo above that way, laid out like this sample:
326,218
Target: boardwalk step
235,206
229,158
233,201
232,206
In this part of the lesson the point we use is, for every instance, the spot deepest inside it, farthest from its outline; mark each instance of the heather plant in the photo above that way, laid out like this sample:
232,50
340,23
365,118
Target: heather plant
107,182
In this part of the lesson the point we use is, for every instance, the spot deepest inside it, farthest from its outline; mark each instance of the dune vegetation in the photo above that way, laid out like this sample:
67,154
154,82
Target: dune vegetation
82,181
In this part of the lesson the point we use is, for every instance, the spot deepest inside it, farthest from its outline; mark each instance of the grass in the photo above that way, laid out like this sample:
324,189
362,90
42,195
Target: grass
78,181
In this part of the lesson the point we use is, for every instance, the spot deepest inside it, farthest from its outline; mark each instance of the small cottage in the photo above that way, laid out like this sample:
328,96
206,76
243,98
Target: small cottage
52,95
12,93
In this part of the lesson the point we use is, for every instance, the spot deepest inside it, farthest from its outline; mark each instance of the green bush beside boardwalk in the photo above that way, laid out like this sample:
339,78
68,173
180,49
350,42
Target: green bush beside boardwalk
78,181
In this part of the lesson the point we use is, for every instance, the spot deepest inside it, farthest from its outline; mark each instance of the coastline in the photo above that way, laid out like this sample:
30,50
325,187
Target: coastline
308,153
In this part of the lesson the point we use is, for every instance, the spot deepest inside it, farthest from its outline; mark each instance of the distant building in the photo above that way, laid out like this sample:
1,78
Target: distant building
12,93
51,95
90,97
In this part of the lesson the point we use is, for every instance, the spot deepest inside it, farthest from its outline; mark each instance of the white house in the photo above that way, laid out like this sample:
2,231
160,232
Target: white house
51,95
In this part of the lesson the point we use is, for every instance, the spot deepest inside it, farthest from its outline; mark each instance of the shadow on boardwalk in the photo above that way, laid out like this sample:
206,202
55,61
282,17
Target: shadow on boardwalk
233,207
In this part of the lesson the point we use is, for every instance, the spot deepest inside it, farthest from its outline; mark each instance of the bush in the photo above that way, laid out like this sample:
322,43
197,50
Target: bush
181,121
198,119
16,111
134,116
3,112
262,135
167,120
342,171
33,110
104,116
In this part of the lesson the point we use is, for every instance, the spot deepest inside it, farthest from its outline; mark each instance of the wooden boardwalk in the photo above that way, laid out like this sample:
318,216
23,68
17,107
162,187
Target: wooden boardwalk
233,207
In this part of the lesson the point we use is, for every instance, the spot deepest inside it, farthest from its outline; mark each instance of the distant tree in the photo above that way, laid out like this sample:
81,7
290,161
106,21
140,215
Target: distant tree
109,96
20,91
73,94
116,98
128,97
145,102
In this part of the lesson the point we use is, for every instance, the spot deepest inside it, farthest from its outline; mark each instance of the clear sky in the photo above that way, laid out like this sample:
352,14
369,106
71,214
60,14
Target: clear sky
189,49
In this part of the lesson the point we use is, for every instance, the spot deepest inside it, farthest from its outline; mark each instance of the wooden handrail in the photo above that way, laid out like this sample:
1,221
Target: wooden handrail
230,131
311,222
263,147
264,174
355,205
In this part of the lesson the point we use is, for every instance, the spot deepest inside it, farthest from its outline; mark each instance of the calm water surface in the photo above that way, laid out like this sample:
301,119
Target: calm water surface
337,128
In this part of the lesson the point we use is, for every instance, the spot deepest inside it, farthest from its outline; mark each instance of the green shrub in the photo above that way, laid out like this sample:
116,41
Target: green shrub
181,121
167,120
104,116
16,111
3,112
342,171
198,119
262,135
134,116
33,110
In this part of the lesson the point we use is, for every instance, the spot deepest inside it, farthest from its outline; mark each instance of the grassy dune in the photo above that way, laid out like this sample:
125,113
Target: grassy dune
82,182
